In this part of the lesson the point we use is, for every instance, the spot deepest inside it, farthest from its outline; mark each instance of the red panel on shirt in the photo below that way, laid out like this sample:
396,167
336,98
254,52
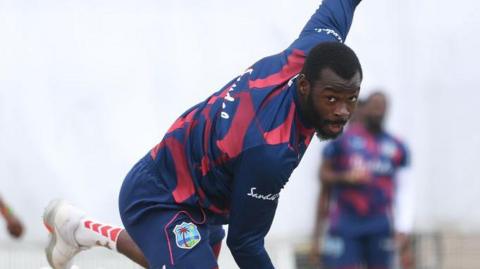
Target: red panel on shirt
182,120
281,134
185,187
358,200
294,66
232,143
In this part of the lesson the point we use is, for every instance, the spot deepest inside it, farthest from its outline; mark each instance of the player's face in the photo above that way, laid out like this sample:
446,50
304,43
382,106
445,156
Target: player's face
329,102
375,111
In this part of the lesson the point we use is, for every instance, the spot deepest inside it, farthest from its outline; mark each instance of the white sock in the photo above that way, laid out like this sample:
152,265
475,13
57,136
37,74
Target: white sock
92,233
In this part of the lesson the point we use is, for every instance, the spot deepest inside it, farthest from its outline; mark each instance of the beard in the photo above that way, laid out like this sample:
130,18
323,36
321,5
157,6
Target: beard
324,135
320,123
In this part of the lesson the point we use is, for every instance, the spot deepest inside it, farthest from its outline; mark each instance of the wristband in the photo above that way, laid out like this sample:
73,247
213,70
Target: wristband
6,211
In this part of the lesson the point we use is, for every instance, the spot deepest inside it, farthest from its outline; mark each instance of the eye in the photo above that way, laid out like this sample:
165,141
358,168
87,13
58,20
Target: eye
353,99
331,99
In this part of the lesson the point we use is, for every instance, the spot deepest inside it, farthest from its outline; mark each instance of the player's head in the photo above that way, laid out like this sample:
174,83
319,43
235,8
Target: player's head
375,110
359,114
328,87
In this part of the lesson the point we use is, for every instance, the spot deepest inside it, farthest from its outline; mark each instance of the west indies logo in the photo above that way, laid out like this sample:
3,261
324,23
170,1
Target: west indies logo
186,235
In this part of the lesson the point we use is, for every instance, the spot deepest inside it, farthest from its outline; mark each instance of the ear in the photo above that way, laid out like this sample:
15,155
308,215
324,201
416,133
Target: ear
303,85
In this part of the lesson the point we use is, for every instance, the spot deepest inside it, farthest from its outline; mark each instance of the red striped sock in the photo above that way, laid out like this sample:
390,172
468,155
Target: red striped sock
93,233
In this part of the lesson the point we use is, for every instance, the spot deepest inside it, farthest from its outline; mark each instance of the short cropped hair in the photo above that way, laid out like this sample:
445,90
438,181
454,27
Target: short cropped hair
376,93
334,55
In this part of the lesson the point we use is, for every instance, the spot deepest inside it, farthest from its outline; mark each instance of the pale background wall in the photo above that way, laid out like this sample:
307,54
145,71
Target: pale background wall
88,87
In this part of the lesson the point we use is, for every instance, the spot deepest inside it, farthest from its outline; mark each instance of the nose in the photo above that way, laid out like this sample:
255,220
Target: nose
342,111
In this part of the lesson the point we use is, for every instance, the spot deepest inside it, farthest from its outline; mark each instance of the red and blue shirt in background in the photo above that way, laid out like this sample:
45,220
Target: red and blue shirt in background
365,206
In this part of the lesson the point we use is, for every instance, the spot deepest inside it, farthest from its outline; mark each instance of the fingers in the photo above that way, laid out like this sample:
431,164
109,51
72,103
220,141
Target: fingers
14,227
358,176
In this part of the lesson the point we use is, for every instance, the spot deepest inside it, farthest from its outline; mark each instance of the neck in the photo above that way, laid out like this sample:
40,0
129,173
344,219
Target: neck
301,106
374,129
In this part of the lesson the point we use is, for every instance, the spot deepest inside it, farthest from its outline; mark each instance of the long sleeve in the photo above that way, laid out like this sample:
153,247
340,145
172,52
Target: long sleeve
259,177
330,23
334,15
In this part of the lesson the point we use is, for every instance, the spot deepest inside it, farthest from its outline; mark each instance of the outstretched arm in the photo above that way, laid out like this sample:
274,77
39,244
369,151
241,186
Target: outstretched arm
258,180
14,226
330,23
332,15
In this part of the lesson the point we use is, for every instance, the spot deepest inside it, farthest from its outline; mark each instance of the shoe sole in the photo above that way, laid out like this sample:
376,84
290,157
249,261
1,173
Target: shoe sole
49,222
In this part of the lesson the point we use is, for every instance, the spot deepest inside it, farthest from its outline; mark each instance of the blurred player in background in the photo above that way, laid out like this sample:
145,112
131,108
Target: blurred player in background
14,226
323,201
225,160
358,173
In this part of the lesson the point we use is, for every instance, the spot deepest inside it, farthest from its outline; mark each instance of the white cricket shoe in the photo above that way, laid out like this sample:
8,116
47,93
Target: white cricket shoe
62,220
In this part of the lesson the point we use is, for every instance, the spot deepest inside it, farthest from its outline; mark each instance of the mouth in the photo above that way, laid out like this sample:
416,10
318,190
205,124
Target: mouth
330,129
335,128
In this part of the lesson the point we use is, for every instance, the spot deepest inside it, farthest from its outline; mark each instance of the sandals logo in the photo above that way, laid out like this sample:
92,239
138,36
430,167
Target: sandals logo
267,197
186,235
